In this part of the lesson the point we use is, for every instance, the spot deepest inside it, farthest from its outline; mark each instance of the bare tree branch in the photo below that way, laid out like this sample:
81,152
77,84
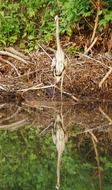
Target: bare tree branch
13,56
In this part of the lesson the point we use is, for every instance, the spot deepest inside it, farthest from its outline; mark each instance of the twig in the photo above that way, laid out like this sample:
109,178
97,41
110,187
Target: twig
105,115
87,56
93,136
106,56
13,56
45,129
31,72
69,94
88,22
41,105
45,51
96,21
90,47
2,87
73,97
88,130
105,77
9,63
49,49
67,58
13,115
36,88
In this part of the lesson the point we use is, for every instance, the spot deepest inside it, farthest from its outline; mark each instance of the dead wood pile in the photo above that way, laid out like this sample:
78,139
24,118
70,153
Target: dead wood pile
85,77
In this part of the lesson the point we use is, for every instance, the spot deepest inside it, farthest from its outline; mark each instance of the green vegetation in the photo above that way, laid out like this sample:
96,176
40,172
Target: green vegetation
25,22
29,162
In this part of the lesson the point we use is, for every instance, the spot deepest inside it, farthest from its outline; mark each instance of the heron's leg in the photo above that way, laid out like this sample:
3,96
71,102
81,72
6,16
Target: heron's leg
53,92
61,87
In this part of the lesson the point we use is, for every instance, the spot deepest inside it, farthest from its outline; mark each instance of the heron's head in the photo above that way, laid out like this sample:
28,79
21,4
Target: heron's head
56,18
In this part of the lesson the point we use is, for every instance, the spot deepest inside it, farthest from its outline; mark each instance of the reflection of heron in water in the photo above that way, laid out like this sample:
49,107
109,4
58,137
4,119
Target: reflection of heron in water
59,61
59,140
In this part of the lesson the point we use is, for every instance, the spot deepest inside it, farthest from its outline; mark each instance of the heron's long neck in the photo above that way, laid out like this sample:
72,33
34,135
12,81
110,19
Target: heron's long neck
57,35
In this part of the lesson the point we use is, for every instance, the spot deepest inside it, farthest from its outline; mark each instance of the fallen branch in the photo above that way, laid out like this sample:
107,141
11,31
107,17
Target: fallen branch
105,77
90,47
37,87
9,63
45,51
13,51
87,56
100,128
40,105
11,116
13,56
15,125
45,129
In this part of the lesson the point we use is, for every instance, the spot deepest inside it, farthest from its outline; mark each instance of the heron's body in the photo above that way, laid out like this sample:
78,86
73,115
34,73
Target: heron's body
58,62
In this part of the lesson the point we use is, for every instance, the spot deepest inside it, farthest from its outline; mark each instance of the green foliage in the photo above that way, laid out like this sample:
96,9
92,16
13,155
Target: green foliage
27,21
72,12
106,18
24,162
107,165
72,49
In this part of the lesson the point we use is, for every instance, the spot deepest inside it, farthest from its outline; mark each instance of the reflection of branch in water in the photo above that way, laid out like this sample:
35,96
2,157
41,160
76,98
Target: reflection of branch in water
14,126
95,141
100,128
40,105
12,115
46,129
68,94
59,139
105,115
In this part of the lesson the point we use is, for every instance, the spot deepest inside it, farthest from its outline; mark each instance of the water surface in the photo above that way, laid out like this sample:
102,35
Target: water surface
49,145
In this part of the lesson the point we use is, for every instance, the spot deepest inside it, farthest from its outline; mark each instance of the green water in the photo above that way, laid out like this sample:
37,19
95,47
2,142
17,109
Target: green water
28,156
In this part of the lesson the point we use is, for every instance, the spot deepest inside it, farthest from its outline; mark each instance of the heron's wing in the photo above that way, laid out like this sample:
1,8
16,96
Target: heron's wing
53,63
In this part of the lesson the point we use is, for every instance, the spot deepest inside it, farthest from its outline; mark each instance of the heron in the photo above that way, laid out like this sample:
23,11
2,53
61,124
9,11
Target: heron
59,61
